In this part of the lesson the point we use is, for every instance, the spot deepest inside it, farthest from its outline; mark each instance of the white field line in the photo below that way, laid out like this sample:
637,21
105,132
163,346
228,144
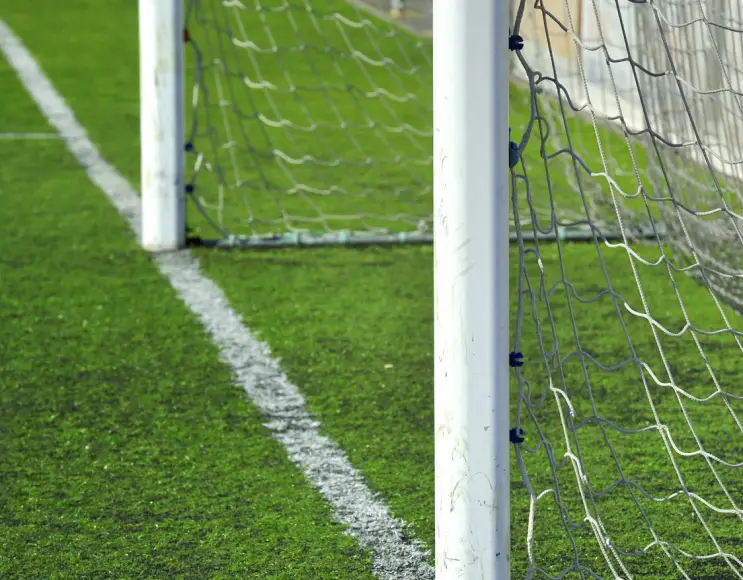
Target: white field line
20,136
395,555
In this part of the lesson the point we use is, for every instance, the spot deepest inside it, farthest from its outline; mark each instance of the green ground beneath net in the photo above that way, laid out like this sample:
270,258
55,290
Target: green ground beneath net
126,451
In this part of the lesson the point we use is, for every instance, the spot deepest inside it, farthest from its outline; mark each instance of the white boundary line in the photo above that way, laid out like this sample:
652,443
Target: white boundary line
395,557
19,136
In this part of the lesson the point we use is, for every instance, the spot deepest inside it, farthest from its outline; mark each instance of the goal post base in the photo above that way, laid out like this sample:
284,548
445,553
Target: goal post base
293,240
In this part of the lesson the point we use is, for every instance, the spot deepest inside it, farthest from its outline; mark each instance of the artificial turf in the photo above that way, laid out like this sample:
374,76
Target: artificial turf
353,328
125,449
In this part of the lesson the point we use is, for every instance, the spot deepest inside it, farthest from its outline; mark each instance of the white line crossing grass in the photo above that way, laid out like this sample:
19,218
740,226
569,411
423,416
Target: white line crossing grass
20,136
395,555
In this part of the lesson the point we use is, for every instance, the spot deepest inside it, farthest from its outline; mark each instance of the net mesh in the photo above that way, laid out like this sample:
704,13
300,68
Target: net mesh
632,119
307,118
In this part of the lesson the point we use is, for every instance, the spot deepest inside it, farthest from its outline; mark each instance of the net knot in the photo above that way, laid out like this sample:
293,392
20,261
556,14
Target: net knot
516,359
515,42
515,435
513,151
513,154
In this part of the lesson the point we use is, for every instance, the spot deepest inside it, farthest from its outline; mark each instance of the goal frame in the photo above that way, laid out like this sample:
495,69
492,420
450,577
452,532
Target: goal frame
471,280
471,247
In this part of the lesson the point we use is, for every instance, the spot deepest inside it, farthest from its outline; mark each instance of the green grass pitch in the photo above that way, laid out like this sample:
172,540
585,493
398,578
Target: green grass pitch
126,452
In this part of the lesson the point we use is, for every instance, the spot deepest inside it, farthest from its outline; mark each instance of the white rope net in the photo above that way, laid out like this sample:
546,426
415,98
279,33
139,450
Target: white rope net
632,399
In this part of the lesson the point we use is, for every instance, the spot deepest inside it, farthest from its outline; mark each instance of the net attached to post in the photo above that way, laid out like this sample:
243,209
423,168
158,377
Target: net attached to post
631,396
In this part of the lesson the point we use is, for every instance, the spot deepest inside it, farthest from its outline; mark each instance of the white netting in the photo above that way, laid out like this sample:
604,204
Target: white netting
308,117
633,395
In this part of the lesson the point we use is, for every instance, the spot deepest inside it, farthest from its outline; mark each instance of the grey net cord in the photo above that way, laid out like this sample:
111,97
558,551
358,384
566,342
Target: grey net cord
636,108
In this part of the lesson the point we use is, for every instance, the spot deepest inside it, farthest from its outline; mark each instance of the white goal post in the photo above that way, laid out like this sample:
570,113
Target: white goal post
161,86
471,246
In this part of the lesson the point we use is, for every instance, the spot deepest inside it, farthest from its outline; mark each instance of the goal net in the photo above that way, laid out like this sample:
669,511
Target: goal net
631,396
310,121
